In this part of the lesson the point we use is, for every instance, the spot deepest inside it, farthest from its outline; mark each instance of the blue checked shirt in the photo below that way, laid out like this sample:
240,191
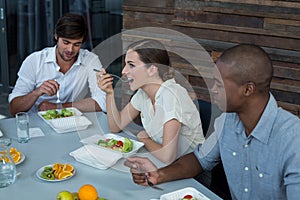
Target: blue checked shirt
264,165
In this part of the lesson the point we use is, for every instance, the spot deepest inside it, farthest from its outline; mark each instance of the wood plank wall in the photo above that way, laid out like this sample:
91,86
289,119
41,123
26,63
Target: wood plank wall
219,24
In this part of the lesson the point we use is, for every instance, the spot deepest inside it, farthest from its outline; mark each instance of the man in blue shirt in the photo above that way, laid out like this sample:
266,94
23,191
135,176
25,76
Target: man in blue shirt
257,141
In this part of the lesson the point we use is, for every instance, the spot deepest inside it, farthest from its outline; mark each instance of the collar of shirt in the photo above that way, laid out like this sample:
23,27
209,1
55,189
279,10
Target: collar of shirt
51,57
262,130
164,85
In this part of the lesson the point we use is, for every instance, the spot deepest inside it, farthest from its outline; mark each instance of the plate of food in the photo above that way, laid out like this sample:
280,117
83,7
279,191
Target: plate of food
22,158
188,193
123,145
16,155
55,172
59,113
65,120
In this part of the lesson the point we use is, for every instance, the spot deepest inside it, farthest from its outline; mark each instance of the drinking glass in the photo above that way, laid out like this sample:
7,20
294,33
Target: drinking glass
7,165
22,121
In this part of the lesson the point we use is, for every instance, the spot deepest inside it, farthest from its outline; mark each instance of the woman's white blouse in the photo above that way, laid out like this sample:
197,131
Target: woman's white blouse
172,101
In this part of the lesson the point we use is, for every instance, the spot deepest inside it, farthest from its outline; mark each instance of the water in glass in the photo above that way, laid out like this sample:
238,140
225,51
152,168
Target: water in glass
7,165
22,121
23,129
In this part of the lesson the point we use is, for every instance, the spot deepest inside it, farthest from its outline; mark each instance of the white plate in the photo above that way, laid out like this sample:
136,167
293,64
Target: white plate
21,159
40,170
179,194
68,124
95,138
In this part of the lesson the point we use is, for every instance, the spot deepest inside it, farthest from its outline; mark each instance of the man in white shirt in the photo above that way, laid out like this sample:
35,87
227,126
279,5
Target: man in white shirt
63,72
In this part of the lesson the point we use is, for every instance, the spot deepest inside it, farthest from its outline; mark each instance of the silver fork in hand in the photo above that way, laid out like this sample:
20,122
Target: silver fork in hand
58,102
151,184
123,79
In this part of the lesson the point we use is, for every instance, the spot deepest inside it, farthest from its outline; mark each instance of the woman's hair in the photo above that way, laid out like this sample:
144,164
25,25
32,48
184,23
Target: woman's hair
71,26
153,52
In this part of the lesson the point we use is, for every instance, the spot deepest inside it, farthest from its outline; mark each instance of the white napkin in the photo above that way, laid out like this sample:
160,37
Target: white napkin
35,132
94,156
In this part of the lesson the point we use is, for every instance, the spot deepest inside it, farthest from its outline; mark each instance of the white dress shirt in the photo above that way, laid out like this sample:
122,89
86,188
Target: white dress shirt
78,83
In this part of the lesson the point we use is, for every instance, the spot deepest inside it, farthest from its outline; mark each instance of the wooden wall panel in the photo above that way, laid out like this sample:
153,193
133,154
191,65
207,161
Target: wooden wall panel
219,24
147,3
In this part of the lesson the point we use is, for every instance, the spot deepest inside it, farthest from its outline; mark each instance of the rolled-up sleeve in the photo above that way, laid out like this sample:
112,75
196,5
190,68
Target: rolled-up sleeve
208,153
26,81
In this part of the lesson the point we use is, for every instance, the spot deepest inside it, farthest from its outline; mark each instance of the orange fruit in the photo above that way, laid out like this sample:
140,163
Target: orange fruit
68,167
87,192
57,166
16,156
64,174
4,158
13,150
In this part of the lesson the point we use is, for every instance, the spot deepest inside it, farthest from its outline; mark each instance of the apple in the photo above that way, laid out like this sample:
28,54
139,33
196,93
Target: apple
64,195
75,196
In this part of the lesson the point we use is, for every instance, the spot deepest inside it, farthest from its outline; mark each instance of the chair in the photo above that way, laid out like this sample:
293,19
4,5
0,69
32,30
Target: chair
205,114
218,182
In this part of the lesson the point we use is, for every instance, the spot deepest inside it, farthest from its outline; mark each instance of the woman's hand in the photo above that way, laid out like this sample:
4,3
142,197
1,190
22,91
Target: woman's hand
105,81
139,167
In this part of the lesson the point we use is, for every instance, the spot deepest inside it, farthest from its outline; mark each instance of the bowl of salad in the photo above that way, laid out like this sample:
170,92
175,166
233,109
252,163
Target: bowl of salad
65,120
59,113
116,143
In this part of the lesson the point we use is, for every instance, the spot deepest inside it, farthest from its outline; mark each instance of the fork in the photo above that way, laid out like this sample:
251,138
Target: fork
58,102
123,79
151,184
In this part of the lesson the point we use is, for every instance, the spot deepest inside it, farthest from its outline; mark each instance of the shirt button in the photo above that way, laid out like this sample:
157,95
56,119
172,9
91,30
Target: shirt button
246,145
234,153
260,175
246,168
246,190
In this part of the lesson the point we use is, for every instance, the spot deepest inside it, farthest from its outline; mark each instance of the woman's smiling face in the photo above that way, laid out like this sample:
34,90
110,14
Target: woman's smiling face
135,69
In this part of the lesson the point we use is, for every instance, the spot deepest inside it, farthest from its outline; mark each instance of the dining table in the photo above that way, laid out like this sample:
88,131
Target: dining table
48,147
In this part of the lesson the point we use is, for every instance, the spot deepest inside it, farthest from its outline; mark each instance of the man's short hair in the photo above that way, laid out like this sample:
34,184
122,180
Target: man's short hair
71,26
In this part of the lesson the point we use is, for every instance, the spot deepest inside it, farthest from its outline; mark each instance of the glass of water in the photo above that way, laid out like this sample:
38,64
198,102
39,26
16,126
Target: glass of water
7,165
22,121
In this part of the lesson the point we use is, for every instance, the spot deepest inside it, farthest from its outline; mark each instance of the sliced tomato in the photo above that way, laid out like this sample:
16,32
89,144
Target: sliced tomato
188,196
120,143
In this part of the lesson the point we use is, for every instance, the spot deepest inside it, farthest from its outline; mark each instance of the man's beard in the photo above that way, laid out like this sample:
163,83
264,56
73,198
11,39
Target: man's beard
64,58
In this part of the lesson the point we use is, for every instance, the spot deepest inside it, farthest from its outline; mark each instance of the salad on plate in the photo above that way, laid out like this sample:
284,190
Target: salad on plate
54,114
116,144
